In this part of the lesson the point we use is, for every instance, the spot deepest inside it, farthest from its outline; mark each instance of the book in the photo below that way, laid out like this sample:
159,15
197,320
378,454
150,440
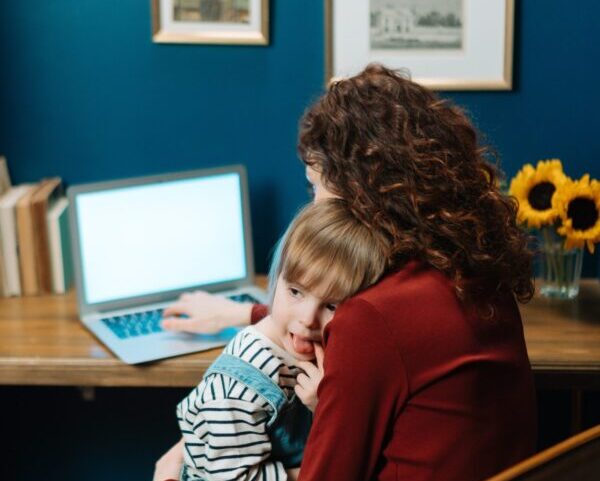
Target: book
42,200
9,247
60,246
26,242
5,184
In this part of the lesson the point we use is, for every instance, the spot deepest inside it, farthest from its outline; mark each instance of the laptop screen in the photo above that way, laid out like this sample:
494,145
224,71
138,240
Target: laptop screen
145,239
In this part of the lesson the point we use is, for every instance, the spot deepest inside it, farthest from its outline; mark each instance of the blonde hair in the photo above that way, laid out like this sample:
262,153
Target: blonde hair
326,245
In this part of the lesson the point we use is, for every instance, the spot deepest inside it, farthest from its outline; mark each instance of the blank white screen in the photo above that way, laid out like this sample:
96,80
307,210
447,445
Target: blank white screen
154,238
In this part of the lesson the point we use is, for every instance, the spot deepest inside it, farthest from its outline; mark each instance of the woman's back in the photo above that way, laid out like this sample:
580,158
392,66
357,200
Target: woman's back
423,389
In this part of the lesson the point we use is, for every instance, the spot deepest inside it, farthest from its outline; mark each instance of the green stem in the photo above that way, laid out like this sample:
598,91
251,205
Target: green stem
560,262
552,260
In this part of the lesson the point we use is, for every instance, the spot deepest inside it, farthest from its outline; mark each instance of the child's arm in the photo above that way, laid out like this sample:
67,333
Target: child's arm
169,465
293,474
229,441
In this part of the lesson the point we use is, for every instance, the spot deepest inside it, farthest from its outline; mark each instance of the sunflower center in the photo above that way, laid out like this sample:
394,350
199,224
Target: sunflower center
540,197
583,212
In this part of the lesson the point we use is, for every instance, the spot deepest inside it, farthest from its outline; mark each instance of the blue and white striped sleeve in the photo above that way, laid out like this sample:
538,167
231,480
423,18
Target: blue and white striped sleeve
231,442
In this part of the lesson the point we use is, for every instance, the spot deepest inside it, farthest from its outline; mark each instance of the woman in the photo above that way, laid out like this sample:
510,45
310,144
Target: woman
426,374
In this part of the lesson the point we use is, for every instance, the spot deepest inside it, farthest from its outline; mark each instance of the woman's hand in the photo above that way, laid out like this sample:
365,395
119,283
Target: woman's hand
169,465
205,313
308,382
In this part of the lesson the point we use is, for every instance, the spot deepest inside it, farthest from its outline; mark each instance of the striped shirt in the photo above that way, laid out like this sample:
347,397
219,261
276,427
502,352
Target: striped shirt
224,422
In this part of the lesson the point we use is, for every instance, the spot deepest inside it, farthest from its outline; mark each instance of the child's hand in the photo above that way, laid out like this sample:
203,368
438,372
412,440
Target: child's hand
169,466
205,313
308,382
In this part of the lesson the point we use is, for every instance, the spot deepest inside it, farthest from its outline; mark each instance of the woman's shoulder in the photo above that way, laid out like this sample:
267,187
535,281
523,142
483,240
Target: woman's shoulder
377,311
412,302
414,282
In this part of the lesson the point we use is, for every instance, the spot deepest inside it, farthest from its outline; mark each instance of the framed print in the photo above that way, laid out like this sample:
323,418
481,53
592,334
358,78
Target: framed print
243,22
444,44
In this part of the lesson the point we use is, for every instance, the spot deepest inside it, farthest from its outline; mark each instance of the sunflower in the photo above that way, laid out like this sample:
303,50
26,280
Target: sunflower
534,188
578,206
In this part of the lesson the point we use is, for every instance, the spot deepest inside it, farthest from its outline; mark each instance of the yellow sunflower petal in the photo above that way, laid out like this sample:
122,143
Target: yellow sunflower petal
590,246
587,193
528,178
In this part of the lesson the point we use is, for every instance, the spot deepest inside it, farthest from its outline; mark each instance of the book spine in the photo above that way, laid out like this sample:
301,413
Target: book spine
56,256
10,251
41,248
29,283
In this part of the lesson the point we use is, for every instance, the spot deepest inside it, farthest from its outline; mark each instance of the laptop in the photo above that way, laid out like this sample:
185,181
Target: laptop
139,243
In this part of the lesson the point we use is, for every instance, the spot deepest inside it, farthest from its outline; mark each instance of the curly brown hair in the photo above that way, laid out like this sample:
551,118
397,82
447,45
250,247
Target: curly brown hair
410,165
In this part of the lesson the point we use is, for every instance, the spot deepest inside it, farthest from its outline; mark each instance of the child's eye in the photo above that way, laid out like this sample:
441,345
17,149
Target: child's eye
294,292
331,307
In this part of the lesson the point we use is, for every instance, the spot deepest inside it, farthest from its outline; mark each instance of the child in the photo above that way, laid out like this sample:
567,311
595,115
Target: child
244,420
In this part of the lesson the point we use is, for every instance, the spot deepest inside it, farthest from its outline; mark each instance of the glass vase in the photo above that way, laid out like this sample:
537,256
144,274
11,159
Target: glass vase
560,268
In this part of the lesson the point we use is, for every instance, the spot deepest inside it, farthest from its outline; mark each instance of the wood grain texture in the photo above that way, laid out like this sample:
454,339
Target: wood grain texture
563,338
577,458
42,342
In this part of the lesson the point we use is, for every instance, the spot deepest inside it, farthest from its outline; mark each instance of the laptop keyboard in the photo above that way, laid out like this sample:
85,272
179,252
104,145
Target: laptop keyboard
243,298
146,322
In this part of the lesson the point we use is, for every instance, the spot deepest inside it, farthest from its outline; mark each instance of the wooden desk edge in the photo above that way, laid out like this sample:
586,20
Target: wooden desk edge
186,371
181,372
100,373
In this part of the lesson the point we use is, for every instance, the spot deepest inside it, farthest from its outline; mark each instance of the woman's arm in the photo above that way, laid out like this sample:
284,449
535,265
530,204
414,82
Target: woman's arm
361,392
206,313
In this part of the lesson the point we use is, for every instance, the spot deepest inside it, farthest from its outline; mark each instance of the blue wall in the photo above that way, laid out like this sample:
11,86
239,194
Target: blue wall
85,94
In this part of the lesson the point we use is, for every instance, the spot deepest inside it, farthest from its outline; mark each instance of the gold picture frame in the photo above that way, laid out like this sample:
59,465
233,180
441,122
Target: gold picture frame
225,22
472,51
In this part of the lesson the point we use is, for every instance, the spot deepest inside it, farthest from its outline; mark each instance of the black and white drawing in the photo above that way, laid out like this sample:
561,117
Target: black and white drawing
416,24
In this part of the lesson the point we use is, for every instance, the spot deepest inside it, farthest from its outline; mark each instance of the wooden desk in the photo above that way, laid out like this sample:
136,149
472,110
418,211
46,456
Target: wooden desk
42,342
563,339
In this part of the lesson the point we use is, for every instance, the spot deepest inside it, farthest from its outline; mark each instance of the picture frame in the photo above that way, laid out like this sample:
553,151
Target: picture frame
227,22
444,44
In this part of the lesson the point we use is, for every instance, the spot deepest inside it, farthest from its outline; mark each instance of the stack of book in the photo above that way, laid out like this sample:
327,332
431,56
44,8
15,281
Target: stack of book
35,253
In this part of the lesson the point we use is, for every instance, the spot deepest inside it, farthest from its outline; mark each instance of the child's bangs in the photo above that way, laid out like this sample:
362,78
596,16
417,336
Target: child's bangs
327,276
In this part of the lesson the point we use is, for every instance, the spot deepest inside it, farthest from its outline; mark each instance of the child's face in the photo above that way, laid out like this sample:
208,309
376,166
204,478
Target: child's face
299,317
